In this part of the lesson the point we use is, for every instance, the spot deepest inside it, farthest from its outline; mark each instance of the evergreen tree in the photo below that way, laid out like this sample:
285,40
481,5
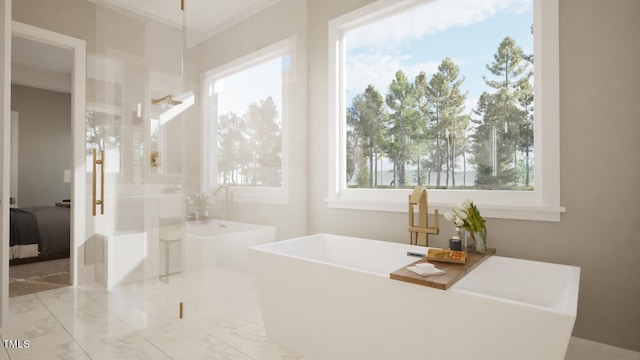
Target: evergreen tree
404,123
502,117
362,177
266,141
526,140
231,141
250,147
350,160
425,138
445,113
366,116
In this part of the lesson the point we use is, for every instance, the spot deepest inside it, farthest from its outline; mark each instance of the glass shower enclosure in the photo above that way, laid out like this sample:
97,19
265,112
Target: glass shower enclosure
138,104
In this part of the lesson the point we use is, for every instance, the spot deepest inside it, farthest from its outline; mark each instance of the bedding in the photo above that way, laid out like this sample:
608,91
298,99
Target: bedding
41,231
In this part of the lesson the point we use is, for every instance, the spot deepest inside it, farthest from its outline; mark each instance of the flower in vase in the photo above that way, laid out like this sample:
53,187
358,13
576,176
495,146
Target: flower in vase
467,216
470,215
450,216
455,218
198,202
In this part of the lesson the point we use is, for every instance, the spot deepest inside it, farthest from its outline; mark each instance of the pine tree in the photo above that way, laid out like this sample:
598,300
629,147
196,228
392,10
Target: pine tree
250,146
526,140
404,124
502,117
425,138
445,103
366,116
231,142
266,142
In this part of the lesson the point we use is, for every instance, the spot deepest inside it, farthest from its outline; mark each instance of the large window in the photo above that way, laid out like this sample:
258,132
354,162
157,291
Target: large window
441,94
246,110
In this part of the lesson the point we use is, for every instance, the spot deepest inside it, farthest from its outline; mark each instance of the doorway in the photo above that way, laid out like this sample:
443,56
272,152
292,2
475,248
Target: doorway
35,187
61,76
40,166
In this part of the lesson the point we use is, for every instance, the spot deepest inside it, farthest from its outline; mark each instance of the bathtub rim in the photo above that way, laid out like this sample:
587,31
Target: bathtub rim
260,248
569,309
206,223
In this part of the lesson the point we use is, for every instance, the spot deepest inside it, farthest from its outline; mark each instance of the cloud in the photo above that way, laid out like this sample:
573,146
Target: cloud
379,69
432,18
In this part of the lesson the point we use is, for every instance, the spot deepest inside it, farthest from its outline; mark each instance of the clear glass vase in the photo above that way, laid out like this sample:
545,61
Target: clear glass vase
476,240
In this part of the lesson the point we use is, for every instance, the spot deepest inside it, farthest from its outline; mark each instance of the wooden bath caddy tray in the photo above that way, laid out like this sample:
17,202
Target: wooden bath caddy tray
454,272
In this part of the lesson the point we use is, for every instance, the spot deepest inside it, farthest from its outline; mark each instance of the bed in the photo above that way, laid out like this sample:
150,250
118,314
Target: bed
39,233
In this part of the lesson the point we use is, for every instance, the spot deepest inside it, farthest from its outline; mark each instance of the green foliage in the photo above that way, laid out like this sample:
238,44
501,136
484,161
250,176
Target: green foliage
250,146
404,124
366,117
421,127
505,123
362,178
444,114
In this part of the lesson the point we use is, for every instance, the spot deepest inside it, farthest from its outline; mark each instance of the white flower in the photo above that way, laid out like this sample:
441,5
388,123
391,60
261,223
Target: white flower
449,216
466,205
458,221
462,215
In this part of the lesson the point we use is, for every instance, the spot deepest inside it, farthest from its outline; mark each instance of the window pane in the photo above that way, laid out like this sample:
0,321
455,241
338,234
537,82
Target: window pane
249,124
441,95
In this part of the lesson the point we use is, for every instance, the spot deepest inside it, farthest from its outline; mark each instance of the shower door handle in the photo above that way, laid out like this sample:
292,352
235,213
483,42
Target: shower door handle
97,201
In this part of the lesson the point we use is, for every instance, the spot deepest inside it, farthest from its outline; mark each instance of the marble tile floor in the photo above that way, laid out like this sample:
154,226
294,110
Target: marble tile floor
221,320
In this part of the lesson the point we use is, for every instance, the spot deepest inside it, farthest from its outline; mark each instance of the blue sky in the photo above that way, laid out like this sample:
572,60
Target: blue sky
467,31
239,90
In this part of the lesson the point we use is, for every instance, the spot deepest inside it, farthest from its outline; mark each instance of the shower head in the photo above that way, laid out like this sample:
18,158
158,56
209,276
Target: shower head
171,106
166,100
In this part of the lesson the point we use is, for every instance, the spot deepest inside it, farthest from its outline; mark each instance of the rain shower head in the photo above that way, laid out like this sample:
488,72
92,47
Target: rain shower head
166,100
171,106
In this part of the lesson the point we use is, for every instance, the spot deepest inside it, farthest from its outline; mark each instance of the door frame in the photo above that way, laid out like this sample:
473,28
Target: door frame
78,271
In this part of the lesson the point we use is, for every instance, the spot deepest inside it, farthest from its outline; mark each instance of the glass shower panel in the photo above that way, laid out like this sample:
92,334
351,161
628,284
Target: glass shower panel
135,102
169,211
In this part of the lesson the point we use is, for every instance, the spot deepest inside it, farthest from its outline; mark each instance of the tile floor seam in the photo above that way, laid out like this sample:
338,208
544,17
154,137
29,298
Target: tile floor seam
148,340
217,337
233,347
225,313
120,318
61,325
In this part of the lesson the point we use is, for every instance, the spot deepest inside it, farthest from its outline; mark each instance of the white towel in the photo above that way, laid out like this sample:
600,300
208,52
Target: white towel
425,271
425,266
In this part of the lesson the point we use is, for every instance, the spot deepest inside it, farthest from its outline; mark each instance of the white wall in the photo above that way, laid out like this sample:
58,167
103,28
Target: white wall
600,170
44,141
285,19
600,179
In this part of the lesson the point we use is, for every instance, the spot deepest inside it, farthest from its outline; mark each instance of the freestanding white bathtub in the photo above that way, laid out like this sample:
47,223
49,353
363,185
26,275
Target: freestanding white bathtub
330,297
222,242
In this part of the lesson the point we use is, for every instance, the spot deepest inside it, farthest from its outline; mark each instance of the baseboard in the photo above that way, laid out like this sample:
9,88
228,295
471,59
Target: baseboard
583,349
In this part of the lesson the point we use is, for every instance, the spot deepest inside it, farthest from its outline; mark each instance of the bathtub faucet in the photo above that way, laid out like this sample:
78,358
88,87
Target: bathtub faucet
225,198
419,234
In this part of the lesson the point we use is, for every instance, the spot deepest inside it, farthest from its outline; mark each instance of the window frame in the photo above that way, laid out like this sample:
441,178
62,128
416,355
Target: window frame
250,194
542,204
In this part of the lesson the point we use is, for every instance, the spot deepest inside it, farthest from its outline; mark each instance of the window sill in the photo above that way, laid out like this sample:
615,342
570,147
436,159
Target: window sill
514,212
272,196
